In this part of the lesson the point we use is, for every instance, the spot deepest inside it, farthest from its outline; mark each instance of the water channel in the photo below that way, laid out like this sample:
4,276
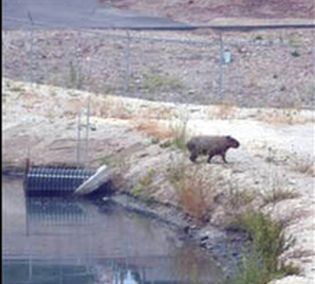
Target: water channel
56,240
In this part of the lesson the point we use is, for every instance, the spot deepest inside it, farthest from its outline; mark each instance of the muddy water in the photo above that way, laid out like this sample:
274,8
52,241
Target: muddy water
66,241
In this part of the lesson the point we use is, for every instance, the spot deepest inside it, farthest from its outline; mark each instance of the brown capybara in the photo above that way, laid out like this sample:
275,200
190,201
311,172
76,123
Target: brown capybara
211,146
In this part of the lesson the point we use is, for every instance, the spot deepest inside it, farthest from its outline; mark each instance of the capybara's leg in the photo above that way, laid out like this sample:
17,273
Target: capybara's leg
209,158
223,157
193,157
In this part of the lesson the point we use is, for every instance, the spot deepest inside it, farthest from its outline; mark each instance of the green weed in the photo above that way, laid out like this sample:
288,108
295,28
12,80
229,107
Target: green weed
140,189
268,243
153,82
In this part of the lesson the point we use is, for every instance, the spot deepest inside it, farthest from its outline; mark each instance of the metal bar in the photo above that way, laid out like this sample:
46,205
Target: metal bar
127,62
313,53
58,180
79,140
31,49
86,159
221,70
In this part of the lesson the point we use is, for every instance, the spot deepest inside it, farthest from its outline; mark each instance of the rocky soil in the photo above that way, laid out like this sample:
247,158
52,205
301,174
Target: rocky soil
133,136
203,11
267,68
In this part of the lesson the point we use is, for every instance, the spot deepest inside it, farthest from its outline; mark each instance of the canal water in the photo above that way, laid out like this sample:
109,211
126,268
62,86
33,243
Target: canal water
63,241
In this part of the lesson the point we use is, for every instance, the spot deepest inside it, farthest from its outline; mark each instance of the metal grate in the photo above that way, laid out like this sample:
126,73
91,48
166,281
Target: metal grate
40,181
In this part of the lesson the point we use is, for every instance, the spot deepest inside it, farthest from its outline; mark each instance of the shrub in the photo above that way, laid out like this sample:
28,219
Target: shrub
267,235
175,132
268,243
277,194
251,271
153,82
304,166
192,189
295,53
154,129
237,197
258,37
76,77
179,130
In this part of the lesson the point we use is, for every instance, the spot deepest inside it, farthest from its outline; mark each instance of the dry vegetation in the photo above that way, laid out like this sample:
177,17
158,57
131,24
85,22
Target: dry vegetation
154,128
304,166
278,194
225,110
194,190
143,187
285,117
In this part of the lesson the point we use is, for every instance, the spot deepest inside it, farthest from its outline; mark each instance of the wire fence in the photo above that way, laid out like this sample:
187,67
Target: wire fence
251,69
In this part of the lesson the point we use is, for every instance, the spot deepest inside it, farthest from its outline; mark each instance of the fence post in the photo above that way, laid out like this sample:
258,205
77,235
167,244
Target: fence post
127,62
31,49
221,69
86,158
79,140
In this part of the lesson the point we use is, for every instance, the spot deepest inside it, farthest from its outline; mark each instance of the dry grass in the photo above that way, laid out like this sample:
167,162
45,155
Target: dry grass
154,129
115,108
192,199
278,194
226,110
175,131
194,190
237,198
179,133
305,166
275,190
285,116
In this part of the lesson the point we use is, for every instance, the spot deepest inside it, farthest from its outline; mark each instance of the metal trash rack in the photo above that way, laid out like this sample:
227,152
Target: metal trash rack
53,181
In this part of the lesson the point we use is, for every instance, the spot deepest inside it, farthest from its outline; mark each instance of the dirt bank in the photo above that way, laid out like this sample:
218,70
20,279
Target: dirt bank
133,136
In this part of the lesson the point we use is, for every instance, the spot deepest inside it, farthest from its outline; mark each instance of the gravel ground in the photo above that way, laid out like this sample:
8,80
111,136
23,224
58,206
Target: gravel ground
268,69
203,11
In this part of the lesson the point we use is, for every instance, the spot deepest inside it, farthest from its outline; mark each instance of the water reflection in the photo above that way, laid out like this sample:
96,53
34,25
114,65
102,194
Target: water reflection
27,271
54,240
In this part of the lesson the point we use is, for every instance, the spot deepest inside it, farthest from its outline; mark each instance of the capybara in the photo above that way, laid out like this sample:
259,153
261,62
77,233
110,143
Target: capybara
211,146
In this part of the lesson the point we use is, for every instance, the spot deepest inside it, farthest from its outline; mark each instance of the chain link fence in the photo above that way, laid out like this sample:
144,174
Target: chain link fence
272,68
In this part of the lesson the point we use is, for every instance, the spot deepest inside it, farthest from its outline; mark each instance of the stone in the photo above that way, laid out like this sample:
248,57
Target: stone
293,280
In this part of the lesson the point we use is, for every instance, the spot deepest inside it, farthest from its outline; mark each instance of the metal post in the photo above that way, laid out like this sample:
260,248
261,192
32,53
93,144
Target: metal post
79,140
31,49
127,62
86,161
221,71
30,269
313,53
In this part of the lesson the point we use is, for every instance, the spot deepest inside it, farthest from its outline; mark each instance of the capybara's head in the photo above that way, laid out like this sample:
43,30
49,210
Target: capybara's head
233,143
